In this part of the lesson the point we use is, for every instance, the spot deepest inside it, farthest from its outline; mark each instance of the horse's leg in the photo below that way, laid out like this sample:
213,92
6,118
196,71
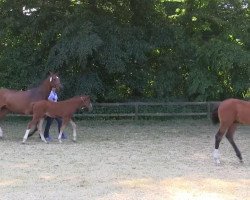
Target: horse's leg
27,132
60,133
40,128
73,124
1,133
32,132
216,154
229,136
26,135
64,123
218,138
31,124
3,112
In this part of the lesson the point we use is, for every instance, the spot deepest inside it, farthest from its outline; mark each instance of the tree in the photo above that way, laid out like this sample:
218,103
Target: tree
128,49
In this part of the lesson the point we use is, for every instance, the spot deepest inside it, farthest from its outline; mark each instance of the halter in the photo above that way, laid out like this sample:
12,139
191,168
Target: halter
83,103
89,107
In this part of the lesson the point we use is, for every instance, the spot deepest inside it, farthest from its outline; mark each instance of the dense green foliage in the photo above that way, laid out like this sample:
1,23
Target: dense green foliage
122,50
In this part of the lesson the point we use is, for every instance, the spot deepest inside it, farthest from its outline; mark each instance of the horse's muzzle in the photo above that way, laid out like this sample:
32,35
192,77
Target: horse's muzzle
59,87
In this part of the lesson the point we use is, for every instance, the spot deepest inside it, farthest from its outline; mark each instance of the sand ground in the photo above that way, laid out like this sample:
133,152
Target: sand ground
124,160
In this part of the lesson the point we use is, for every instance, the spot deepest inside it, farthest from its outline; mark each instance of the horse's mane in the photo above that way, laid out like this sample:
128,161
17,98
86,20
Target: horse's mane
72,98
37,84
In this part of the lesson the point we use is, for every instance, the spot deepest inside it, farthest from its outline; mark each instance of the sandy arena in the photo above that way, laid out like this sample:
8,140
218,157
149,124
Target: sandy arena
124,160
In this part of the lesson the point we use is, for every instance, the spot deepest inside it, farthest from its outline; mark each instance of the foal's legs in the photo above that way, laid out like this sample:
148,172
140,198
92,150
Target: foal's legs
26,135
32,123
64,123
40,128
1,133
3,112
229,136
218,138
74,129
216,154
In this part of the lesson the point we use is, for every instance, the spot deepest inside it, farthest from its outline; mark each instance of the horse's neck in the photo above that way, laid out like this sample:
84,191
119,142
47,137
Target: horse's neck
43,90
75,105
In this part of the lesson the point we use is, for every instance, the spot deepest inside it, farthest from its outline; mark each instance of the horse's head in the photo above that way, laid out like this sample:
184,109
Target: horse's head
54,81
86,103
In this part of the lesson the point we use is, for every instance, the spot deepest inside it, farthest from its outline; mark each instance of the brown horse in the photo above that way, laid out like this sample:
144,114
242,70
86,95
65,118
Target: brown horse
63,109
229,113
20,101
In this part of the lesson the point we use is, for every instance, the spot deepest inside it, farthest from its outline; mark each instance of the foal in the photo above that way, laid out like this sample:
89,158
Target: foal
229,113
63,109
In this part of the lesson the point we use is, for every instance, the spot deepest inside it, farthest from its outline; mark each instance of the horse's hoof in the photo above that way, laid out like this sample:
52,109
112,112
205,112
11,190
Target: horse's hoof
217,161
60,141
74,141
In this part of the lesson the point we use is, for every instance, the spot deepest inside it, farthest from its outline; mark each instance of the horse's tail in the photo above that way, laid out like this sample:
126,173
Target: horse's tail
214,116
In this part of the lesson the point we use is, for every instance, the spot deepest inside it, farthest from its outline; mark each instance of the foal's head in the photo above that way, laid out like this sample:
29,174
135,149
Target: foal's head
86,102
54,81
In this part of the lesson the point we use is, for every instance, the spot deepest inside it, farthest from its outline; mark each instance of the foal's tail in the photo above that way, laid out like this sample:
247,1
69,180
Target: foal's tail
214,116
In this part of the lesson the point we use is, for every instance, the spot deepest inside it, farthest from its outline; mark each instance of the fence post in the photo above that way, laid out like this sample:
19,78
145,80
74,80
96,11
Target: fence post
136,111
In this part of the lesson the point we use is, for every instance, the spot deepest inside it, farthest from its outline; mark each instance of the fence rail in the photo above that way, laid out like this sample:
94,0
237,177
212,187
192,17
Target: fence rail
148,109
139,109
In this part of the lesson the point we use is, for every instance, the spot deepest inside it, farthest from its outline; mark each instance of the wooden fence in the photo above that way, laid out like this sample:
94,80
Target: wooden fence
138,110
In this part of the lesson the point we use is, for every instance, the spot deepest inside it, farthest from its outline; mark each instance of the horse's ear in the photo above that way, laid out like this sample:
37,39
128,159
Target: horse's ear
88,97
49,73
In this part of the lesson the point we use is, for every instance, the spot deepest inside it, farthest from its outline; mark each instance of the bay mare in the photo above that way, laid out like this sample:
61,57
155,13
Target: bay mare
63,109
229,113
20,101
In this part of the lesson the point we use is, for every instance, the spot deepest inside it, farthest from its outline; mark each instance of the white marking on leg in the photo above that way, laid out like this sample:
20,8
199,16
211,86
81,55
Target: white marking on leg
40,128
216,155
60,136
74,130
42,137
1,132
26,135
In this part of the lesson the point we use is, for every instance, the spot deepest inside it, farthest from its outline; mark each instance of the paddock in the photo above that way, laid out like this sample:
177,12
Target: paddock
125,160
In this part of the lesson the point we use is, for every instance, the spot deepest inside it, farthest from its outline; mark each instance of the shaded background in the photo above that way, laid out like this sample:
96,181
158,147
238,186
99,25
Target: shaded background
128,50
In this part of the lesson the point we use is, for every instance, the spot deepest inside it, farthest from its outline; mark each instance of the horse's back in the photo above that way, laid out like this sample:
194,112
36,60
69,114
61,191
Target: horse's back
42,104
64,108
4,95
234,104
15,101
5,91
236,110
45,107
